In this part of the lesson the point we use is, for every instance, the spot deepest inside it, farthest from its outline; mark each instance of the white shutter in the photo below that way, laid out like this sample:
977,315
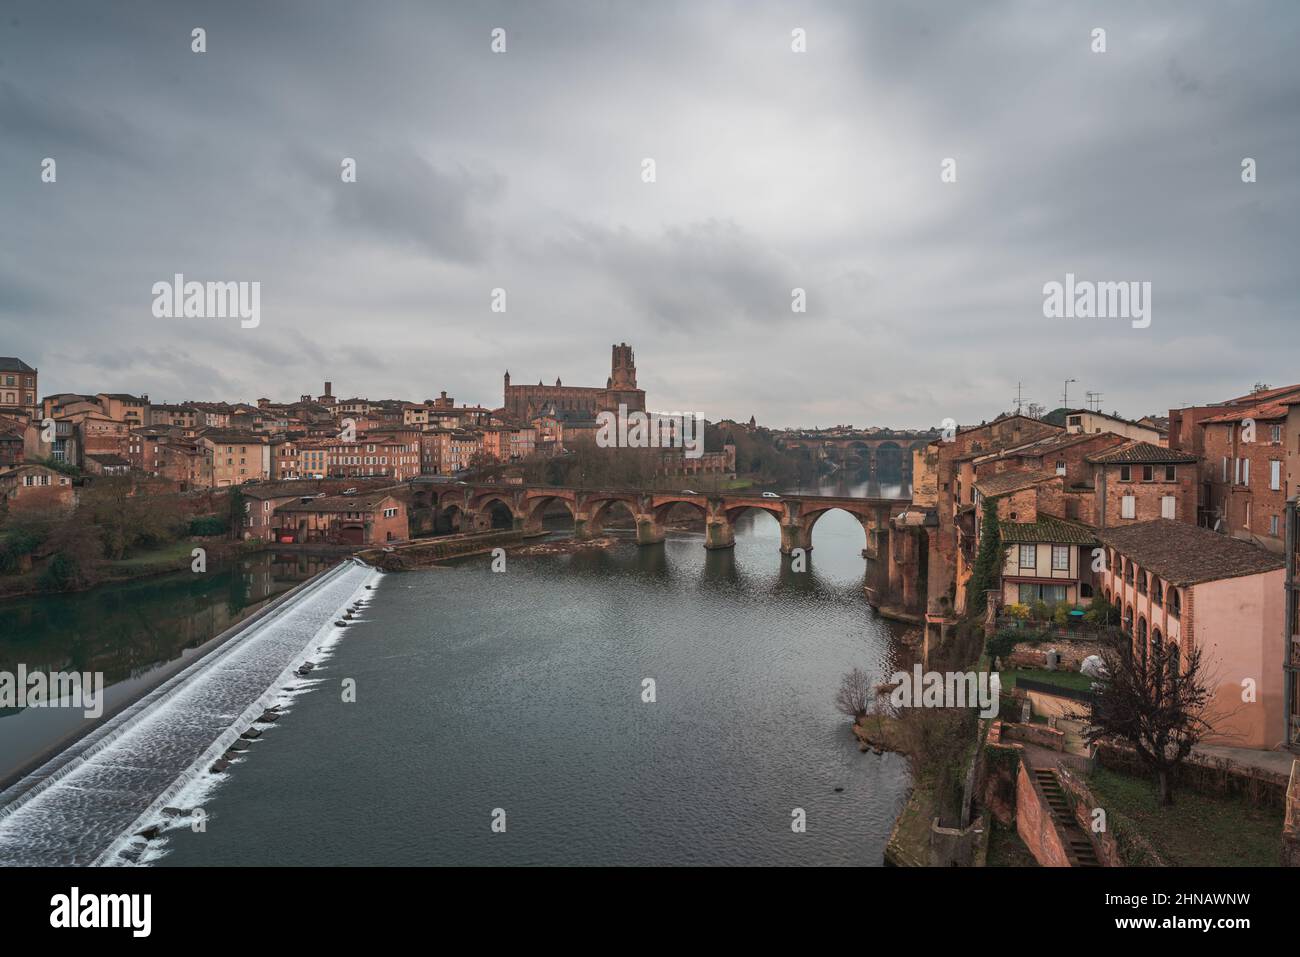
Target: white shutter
1167,507
1275,474
1128,507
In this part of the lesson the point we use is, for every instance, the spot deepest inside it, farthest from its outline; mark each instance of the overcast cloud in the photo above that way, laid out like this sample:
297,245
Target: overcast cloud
775,169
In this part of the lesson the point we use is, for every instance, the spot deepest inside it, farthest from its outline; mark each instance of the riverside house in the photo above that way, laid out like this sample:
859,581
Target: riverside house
368,518
1179,583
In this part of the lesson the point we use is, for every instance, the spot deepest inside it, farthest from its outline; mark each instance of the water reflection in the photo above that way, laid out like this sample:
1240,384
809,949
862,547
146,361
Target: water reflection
136,633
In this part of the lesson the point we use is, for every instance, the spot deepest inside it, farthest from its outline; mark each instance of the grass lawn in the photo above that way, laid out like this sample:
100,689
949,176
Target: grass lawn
1200,829
169,554
1006,849
1062,679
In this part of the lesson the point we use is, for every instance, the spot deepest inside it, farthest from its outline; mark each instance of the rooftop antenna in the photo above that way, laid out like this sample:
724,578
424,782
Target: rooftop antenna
1020,398
1094,401
1065,395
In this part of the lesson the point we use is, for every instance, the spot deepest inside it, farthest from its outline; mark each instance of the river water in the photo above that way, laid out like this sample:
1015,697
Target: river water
519,696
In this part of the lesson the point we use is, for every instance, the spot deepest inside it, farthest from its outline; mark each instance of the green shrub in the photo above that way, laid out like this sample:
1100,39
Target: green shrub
204,525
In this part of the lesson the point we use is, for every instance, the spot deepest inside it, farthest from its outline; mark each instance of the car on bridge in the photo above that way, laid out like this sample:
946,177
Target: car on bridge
770,495
689,491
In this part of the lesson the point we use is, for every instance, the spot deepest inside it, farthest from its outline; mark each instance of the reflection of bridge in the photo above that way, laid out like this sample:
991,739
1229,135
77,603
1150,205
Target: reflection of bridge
477,505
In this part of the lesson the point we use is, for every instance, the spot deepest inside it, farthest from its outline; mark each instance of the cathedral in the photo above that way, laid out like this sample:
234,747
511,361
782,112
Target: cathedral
522,402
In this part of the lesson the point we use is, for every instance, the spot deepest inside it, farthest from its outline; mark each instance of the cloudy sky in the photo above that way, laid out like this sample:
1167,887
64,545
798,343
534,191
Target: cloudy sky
774,170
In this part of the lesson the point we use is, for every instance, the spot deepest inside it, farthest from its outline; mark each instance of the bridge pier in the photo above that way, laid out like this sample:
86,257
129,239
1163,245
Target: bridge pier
795,535
648,531
719,533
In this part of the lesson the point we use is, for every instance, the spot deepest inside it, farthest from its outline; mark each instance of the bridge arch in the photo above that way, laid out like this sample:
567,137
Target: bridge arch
811,519
603,508
495,511
535,508
450,520
663,509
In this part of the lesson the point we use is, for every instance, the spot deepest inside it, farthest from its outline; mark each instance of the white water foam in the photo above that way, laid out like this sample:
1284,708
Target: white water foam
86,805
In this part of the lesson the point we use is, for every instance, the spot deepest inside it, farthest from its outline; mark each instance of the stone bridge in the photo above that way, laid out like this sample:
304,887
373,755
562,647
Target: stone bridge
878,452
592,508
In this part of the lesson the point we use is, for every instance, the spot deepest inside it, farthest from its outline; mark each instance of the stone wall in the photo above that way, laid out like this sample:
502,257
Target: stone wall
1034,823
1038,734
1028,654
1103,842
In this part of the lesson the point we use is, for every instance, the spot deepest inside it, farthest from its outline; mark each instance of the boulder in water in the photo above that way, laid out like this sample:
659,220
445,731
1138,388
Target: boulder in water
219,767
251,734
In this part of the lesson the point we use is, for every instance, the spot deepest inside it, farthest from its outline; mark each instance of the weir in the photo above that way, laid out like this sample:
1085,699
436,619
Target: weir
81,806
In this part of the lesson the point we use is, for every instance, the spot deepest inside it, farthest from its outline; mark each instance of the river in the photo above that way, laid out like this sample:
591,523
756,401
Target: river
520,697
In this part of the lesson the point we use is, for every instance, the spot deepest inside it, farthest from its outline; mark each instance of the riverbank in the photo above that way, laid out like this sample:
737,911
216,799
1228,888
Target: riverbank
177,557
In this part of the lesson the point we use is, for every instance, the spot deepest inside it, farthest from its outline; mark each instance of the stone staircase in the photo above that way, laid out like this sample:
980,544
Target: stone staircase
1078,847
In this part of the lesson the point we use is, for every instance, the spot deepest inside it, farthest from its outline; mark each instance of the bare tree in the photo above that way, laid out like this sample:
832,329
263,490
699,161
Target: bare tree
854,695
1156,700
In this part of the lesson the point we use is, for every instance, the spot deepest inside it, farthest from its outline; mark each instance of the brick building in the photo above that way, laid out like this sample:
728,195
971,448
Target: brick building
1176,582
522,402
35,486
943,488
18,386
368,518
236,457
1250,470
1138,481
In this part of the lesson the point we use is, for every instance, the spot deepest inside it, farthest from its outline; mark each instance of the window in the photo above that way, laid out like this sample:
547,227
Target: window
1060,466
1128,507
1060,558
1273,525
1246,523
1157,592
1275,474
1126,473
1171,473
1168,506
1275,434
1224,478
1148,473
1175,602
1245,471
